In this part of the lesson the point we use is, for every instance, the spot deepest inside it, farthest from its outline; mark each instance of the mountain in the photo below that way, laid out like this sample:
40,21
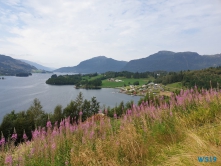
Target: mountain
38,66
98,64
171,61
10,66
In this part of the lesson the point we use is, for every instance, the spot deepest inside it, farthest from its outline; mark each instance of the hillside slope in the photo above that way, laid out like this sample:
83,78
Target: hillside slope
98,64
38,66
171,61
10,66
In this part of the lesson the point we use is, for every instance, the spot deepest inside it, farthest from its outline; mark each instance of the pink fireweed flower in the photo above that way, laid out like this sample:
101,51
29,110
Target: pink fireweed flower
43,133
91,134
2,141
67,122
25,136
125,118
53,146
72,128
80,113
55,132
115,115
171,114
8,160
32,151
129,112
14,136
35,134
62,123
66,162
49,124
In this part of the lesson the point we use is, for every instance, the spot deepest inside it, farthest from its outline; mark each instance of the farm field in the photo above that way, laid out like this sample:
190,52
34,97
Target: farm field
173,86
125,81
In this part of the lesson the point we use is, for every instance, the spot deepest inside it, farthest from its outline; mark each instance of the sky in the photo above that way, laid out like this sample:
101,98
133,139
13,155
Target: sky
60,33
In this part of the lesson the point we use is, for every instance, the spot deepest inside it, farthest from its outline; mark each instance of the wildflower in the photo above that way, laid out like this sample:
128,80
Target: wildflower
2,141
32,151
43,133
55,132
49,124
25,136
53,146
91,134
14,135
35,134
80,113
8,160
171,114
66,162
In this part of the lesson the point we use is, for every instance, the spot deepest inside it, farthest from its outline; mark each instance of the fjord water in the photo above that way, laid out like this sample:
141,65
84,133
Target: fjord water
18,93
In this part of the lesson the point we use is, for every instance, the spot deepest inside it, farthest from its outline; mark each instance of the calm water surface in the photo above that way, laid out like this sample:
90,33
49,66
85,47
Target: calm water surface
18,93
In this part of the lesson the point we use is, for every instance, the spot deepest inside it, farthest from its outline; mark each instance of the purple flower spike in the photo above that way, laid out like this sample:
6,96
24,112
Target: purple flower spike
80,113
14,136
2,141
49,124
25,136
8,160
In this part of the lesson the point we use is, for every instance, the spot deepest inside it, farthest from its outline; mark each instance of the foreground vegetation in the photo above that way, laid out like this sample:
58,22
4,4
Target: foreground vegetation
180,130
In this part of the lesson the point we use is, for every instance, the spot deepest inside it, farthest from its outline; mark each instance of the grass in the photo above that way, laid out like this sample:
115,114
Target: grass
148,134
125,81
174,86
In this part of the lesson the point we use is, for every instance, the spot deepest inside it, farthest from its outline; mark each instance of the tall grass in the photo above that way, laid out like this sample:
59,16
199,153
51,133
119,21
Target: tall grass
163,133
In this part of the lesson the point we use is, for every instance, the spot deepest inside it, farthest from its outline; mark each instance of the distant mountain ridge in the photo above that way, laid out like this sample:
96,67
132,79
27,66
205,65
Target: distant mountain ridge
171,61
10,66
162,60
38,66
98,64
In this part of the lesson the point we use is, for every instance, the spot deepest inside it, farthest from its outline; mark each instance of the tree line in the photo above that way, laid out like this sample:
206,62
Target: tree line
35,116
205,78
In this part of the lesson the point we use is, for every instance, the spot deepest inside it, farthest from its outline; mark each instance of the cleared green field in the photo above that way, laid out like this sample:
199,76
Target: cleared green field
176,85
125,81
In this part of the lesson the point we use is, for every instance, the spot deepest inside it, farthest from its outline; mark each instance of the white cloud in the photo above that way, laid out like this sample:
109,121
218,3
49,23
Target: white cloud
65,32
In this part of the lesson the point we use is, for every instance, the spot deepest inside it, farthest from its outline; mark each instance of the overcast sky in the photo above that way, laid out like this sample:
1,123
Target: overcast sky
58,33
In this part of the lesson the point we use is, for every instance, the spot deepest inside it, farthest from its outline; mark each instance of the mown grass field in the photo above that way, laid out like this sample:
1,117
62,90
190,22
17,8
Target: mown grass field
125,81
174,86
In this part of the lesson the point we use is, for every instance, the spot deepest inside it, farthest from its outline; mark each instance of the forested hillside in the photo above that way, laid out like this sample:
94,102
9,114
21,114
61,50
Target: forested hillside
205,78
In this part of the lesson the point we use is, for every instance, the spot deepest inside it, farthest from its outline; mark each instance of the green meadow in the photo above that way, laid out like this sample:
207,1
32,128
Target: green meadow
125,81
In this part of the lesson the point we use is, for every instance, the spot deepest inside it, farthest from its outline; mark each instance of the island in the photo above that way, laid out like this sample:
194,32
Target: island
23,74
86,81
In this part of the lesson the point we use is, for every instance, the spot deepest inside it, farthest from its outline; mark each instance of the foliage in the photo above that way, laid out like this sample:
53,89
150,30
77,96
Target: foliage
35,117
205,78
173,132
